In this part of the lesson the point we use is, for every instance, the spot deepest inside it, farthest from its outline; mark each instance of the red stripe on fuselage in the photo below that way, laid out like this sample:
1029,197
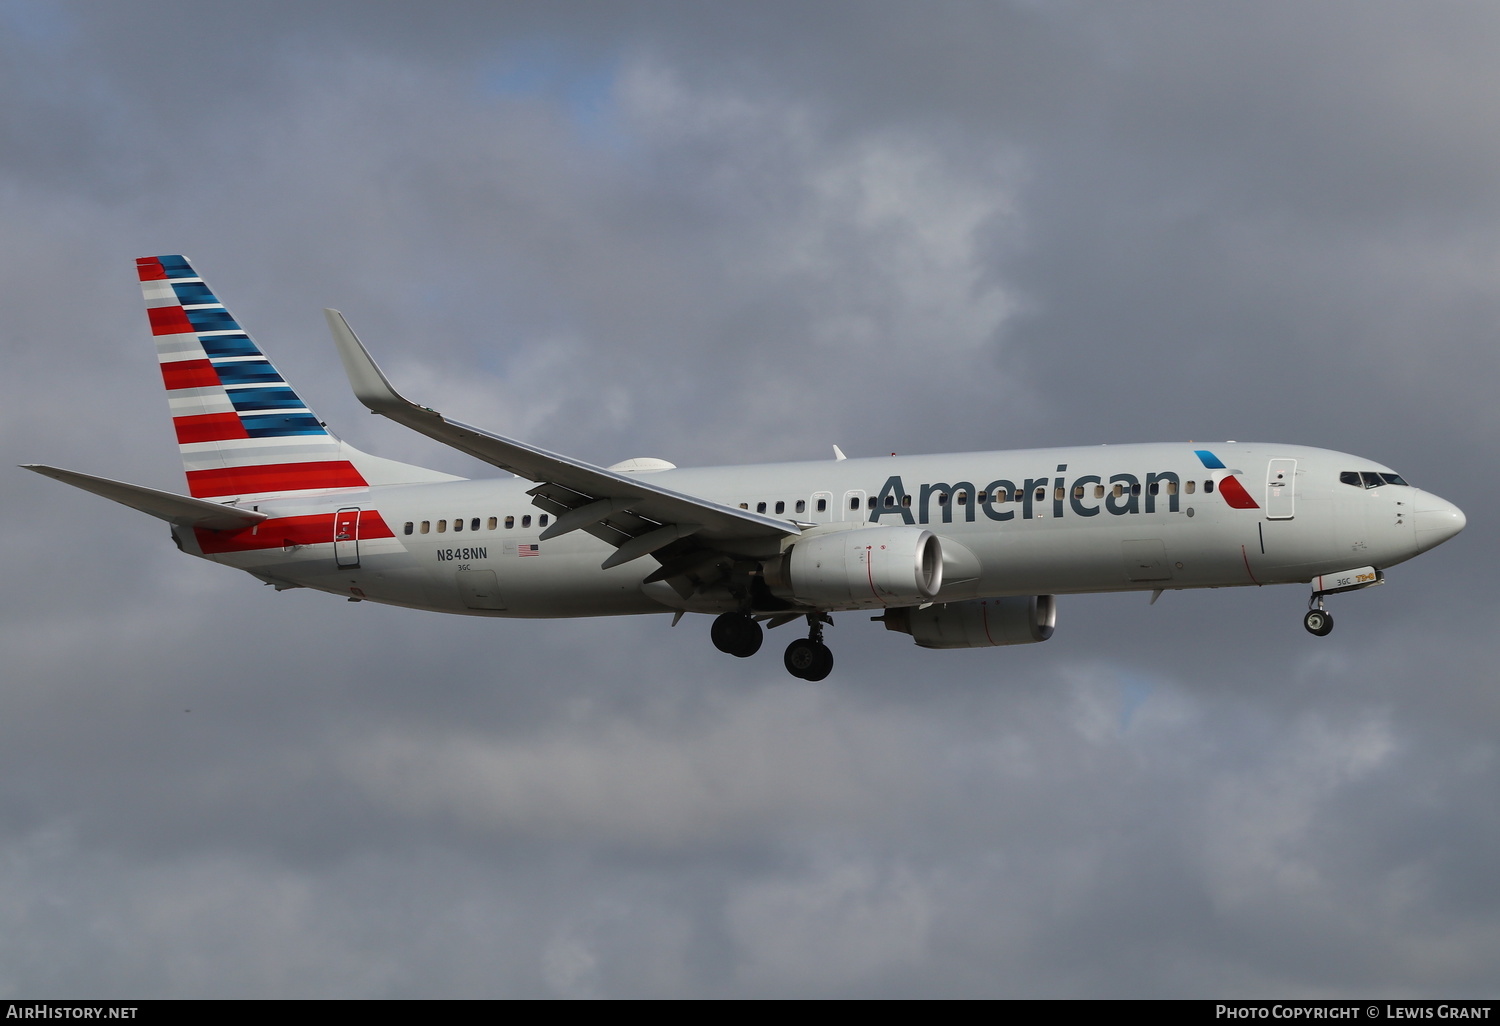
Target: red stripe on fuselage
281,532
275,477
209,427
168,320
1234,493
189,374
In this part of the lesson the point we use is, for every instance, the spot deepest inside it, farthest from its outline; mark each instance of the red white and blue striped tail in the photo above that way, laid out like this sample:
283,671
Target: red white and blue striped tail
242,430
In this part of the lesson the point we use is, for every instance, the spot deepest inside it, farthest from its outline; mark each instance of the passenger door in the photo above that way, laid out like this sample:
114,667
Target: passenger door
1281,489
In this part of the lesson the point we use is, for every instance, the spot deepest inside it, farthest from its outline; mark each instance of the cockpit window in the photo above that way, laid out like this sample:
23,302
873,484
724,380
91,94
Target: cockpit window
1370,479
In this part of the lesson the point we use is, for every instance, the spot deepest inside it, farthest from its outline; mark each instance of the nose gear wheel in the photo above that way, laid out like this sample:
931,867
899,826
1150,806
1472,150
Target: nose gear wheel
1318,621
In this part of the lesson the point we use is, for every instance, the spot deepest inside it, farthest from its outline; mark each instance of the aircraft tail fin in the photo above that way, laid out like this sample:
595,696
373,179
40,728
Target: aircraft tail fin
241,428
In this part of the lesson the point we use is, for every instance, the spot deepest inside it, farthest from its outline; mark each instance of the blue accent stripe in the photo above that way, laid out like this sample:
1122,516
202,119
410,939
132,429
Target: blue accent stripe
194,293
250,372
211,320
249,400
1210,461
229,345
177,267
270,425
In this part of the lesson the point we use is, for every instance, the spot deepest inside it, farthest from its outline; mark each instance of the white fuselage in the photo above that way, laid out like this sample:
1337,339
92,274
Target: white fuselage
1041,521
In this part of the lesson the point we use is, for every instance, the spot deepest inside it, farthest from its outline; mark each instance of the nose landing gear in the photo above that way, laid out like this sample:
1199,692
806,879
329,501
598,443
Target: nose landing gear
1319,621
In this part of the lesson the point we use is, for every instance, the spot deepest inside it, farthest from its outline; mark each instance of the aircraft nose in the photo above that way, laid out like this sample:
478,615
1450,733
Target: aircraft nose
1437,520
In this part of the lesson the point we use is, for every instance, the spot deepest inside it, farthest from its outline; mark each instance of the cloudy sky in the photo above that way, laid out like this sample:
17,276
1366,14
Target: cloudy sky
721,233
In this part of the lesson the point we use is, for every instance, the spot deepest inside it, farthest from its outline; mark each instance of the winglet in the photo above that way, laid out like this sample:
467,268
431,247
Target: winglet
370,385
838,454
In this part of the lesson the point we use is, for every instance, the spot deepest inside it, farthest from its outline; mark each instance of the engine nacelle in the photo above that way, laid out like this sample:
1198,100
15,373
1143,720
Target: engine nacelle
978,623
866,568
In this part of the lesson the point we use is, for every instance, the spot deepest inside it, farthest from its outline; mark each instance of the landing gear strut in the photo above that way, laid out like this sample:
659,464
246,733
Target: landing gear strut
808,658
737,635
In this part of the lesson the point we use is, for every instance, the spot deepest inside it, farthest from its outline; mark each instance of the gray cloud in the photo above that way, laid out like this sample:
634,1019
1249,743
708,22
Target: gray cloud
726,234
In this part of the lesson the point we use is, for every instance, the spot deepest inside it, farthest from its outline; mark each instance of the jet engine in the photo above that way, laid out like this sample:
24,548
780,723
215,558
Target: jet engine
977,623
865,568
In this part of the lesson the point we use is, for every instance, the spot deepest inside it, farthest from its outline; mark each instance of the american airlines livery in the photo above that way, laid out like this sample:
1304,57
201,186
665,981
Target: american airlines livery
965,550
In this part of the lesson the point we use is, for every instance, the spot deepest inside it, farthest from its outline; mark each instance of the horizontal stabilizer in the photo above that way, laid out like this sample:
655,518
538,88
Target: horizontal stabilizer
175,509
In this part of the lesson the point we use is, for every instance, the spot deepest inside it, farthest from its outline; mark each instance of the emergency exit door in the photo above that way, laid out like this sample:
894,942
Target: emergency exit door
346,537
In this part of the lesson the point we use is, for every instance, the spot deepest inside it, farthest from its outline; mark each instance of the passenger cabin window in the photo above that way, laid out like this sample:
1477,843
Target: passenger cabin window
458,523
1190,486
442,526
822,505
526,520
426,524
474,524
542,520
408,528
493,523
1098,491
963,498
1208,485
801,505
760,507
510,522
781,507
854,502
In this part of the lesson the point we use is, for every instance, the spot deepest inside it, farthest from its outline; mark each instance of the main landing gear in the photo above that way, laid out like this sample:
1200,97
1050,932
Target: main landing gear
808,657
737,634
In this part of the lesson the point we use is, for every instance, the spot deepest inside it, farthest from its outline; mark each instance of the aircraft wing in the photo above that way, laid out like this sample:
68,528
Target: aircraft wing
627,511
181,510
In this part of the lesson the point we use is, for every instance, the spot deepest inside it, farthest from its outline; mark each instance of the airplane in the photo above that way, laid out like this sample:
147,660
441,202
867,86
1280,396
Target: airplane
962,550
